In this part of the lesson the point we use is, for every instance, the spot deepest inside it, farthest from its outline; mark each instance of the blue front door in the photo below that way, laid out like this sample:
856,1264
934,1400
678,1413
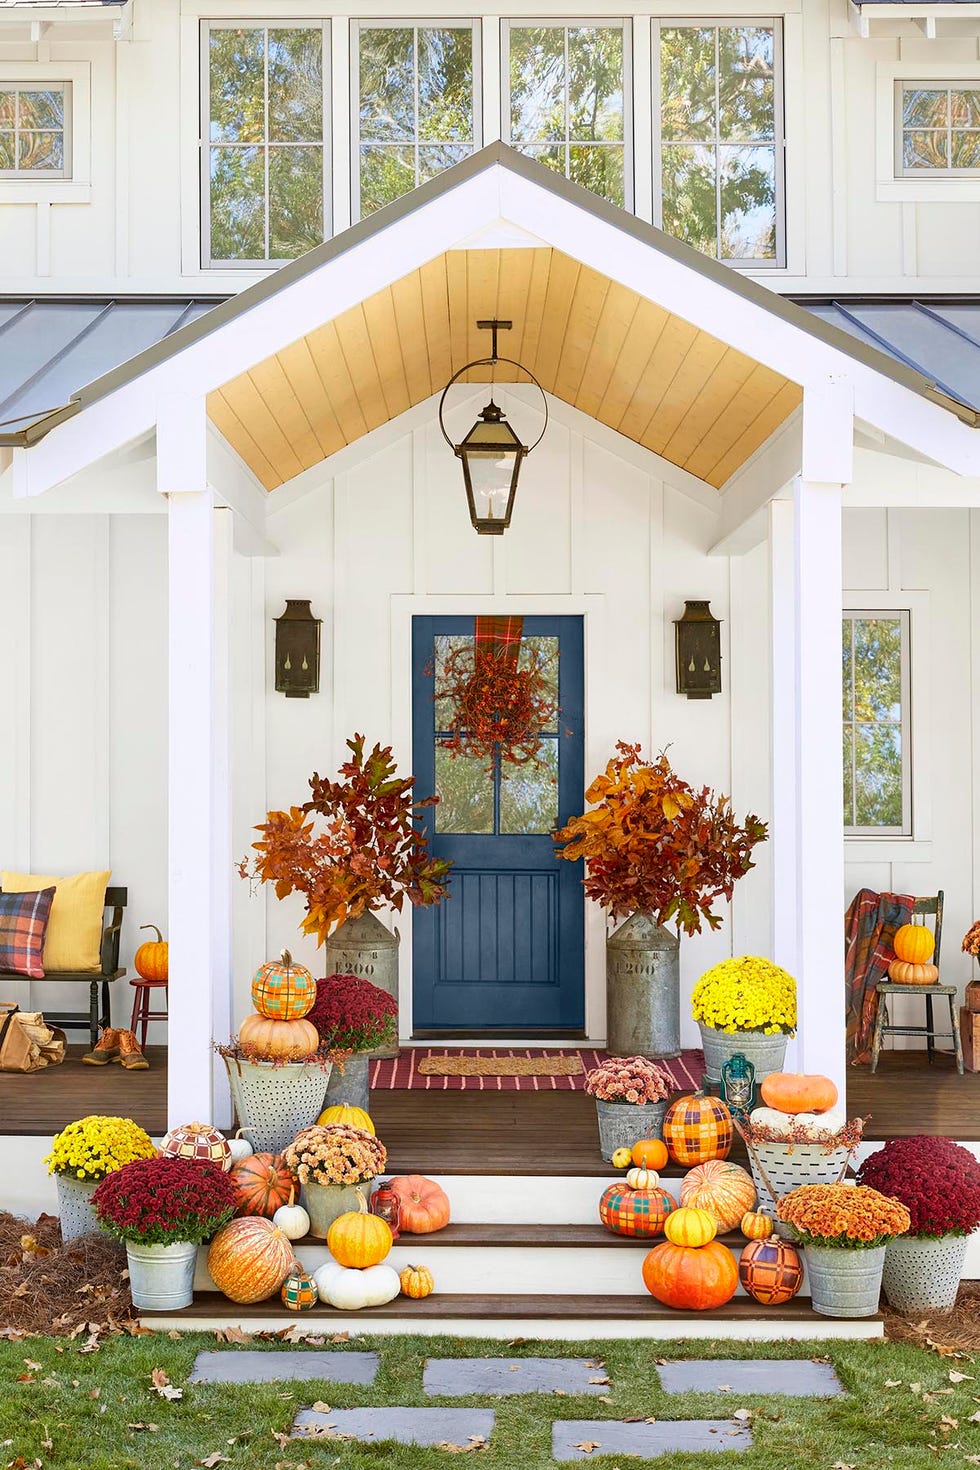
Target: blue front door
504,952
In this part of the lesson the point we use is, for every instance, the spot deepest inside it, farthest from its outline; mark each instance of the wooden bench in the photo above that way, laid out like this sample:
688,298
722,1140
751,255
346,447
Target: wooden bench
96,1017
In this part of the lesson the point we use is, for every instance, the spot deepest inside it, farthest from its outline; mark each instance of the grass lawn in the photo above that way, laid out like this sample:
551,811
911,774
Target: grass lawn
63,1407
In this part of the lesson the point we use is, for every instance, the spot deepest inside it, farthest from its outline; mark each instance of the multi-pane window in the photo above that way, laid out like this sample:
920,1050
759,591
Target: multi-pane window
414,107
875,670
721,138
938,127
263,151
34,130
566,102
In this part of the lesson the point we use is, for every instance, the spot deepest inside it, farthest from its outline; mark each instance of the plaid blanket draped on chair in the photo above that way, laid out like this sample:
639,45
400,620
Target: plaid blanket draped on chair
869,928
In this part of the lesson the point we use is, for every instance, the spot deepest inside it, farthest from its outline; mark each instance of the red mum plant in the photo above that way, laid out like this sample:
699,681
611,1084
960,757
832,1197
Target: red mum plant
936,1180
628,1080
352,1014
162,1201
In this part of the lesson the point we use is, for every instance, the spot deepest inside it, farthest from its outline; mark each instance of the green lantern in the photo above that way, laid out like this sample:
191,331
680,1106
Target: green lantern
738,1085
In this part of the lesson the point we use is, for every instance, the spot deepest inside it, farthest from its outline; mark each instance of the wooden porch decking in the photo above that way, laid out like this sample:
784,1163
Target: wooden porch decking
432,1132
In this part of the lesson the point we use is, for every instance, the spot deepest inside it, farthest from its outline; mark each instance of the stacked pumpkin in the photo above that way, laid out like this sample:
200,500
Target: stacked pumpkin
800,1106
282,993
914,946
359,1244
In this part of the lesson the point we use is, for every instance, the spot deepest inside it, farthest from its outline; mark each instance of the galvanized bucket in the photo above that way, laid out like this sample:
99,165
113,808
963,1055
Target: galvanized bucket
766,1053
274,1102
75,1208
923,1275
325,1203
623,1124
352,1085
643,990
161,1277
844,1283
364,947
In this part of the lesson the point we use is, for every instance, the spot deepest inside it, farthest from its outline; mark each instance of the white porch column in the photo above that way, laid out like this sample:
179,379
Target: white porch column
198,767
808,822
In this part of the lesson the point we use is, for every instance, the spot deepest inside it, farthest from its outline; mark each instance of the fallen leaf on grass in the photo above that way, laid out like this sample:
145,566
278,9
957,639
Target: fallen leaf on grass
974,1418
601,1380
843,1465
476,1442
160,1383
561,1393
149,1428
954,1377
745,1415
321,1408
340,1337
893,1382
216,1459
232,1334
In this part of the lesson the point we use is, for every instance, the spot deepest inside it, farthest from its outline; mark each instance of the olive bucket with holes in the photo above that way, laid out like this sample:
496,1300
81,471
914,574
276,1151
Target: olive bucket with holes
274,1101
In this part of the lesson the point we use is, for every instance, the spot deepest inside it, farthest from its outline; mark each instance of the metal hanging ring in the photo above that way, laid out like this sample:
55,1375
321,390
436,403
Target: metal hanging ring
492,362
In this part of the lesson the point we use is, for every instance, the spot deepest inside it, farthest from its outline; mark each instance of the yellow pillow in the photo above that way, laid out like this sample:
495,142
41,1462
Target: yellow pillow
73,938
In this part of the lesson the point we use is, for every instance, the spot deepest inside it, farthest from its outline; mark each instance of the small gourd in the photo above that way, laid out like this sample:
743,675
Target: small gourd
690,1226
299,1291
756,1225
642,1179
416,1282
622,1158
293,1221
240,1147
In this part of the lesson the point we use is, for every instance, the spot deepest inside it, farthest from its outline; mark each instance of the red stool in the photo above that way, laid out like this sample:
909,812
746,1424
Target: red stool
142,1015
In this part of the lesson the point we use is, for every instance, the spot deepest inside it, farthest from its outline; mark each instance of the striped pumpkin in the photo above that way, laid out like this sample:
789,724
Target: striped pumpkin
722,1188
347,1113
698,1128
249,1259
262,1184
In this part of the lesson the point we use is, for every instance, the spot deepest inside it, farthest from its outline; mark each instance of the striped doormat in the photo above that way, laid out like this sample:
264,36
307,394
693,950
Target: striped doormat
404,1071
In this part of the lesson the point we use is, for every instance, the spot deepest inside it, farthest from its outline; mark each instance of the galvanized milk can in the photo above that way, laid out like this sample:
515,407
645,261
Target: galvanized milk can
364,947
643,1003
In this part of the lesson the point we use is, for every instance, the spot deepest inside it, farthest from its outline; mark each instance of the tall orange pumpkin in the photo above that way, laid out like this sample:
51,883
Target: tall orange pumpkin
152,959
358,1239
691,1279
250,1259
698,1128
914,942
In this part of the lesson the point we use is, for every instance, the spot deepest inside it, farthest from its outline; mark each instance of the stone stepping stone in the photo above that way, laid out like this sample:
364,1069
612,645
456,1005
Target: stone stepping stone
796,1379
452,1377
247,1367
431,1427
581,1439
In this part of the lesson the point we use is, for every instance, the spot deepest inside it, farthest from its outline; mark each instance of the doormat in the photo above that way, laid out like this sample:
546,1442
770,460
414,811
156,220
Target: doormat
457,1066
408,1069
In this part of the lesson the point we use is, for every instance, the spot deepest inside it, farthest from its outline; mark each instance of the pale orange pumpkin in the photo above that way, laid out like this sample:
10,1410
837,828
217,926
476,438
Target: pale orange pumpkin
690,1226
755,1225
249,1259
914,942
722,1188
691,1280
293,1041
423,1206
908,972
416,1281
358,1239
798,1092
152,959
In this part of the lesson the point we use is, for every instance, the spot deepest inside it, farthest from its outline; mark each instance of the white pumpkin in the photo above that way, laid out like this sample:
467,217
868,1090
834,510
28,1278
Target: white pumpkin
817,1126
323,1275
349,1289
293,1221
240,1147
643,1179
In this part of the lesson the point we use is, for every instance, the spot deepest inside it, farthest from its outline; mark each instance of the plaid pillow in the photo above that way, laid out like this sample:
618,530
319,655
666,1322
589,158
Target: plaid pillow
23,920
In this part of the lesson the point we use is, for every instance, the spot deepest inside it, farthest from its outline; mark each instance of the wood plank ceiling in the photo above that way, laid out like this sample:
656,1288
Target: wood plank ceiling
634,366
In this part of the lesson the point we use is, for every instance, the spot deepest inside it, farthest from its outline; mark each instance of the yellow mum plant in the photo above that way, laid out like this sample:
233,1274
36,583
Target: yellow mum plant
746,994
93,1147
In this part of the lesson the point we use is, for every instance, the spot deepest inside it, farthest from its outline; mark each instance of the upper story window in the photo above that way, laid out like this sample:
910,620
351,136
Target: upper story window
34,130
264,157
414,107
566,102
876,712
721,143
938,128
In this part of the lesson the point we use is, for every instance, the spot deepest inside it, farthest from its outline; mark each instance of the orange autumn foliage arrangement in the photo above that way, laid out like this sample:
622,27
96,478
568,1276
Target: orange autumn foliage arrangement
353,846
653,844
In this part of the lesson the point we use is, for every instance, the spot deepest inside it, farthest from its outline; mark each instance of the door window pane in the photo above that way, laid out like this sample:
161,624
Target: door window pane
529,794
464,787
33,130
264,161
720,131
938,127
415,106
566,102
877,793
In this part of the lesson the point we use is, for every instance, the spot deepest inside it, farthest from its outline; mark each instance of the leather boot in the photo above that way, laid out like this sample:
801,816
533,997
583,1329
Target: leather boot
106,1049
129,1052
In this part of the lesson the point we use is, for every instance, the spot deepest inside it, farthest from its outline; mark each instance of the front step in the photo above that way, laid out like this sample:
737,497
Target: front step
506,1316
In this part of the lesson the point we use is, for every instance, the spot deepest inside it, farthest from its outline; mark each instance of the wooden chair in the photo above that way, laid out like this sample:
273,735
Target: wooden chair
97,1016
887,988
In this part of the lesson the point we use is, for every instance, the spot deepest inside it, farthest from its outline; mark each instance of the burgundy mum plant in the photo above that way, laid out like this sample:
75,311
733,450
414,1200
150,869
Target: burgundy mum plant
162,1201
936,1180
352,1014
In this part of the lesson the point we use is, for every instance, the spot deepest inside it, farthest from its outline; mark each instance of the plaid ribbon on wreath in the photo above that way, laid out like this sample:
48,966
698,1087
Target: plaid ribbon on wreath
498,636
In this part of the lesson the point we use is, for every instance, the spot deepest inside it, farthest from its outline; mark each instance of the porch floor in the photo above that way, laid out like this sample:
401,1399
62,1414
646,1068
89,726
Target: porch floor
491,1132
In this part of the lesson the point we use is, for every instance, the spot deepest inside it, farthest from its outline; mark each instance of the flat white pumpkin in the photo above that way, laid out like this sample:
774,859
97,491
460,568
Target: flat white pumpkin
349,1289
323,1276
817,1126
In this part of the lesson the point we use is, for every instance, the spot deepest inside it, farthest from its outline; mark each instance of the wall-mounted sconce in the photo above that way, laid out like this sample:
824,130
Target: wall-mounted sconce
297,650
698,651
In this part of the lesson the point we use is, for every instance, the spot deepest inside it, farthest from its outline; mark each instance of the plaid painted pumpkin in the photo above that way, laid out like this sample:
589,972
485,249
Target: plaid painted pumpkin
198,1143
282,991
299,1291
771,1271
640,1212
698,1128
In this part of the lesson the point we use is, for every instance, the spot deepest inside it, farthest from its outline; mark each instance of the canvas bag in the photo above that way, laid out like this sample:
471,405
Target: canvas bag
27,1042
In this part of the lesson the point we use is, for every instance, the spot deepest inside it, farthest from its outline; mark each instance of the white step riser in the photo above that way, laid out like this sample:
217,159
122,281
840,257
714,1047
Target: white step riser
499,1199
506,1270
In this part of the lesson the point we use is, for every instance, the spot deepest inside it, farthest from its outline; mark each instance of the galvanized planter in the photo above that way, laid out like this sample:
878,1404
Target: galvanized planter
161,1277
923,1275
643,990
622,1124
844,1283
352,1085
75,1209
766,1053
324,1203
273,1103
364,947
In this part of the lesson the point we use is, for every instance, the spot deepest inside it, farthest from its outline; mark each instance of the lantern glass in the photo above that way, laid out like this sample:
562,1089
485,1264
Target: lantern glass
491,454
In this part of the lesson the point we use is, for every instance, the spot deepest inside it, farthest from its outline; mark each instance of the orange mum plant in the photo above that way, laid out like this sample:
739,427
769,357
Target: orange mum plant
848,1216
653,844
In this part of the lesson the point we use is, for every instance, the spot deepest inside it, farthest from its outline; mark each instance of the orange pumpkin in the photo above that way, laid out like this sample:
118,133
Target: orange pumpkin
250,1259
690,1226
423,1206
722,1188
907,972
416,1281
755,1225
650,1153
262,1183
152,959
914,942
798,1092
698,1128
283,991
691,1280
292,1041
358,1239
